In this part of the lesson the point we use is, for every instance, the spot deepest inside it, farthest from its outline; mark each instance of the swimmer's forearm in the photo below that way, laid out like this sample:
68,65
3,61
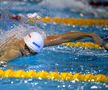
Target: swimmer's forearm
75,35
58,39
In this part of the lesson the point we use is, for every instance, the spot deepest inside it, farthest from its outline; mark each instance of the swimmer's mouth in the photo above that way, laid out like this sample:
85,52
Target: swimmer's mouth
27,51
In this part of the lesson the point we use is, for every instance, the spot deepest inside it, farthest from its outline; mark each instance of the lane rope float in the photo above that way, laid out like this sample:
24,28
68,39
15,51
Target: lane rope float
66,76
72,21
67,21
83,45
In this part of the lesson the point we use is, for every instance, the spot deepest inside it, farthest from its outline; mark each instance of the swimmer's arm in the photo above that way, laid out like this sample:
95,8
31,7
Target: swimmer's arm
62,38
9,55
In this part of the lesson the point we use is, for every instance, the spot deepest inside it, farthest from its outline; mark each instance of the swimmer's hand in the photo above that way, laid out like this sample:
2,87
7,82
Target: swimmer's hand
98,40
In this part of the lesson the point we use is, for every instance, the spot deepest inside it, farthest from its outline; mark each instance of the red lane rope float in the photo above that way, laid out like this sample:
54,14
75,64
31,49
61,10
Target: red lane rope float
16,17
67,21
67,76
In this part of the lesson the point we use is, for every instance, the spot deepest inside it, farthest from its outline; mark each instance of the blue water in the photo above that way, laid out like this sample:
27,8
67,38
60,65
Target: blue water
57,58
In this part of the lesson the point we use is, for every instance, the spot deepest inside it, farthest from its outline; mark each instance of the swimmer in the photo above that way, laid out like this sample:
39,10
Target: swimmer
34,42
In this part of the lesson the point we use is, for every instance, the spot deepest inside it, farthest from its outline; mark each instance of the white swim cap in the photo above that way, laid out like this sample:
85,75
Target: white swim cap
34,41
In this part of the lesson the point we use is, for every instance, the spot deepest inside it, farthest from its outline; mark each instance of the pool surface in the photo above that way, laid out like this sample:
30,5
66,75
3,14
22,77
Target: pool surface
56,58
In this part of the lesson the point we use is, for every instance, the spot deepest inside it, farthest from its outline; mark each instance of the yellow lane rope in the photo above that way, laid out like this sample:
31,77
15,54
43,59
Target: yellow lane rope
83,45
53,75
70,21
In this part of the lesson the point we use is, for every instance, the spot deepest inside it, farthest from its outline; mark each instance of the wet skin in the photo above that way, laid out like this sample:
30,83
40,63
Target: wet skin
17,47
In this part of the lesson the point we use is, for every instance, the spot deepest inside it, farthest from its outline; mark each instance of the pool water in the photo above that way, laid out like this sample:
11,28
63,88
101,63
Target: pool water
56,58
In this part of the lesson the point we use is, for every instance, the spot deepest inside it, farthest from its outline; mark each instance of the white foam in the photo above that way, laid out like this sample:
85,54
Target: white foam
77,4
17,32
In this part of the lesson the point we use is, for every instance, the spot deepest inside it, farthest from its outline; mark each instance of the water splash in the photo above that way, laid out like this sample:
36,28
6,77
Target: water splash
18,32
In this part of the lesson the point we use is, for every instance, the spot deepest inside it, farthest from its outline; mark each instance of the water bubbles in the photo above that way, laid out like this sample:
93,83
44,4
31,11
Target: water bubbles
36,83
56,64
64,85
73,26
58,86
69,86
81,14
105,28
94,87
75,58
106,86
32,15
73,81
26,81
40,78
12,82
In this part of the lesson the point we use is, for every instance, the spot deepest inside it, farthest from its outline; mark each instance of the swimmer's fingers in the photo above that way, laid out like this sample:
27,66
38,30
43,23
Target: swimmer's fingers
98,40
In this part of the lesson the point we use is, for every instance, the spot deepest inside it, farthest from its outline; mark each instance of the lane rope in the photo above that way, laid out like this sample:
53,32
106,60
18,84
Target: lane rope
66,76
72,21
67,21
83,45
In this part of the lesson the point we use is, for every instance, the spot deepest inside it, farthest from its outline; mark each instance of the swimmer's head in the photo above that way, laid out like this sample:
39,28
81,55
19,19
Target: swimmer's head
34,41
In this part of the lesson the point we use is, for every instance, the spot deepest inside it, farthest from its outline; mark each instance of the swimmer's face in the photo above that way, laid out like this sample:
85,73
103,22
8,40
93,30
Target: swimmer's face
106,46
31,52
28,51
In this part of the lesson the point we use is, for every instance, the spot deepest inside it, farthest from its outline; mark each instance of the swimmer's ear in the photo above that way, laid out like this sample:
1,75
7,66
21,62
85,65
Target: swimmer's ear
3,63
